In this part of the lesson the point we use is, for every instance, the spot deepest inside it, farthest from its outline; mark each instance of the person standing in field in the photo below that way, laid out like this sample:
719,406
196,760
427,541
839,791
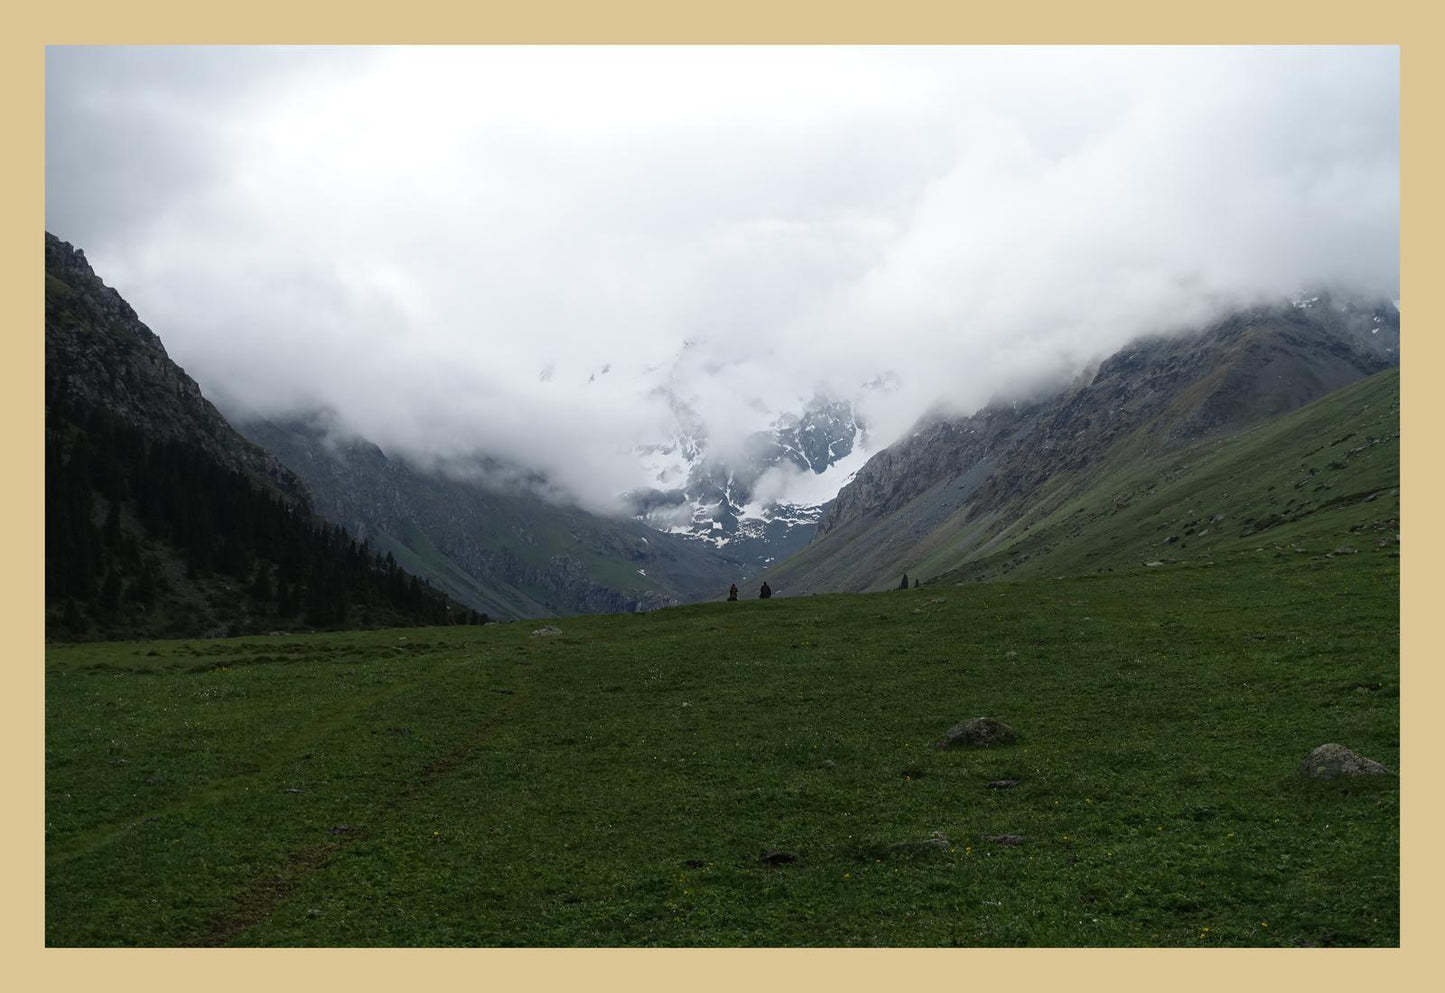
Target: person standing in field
765,592
733,591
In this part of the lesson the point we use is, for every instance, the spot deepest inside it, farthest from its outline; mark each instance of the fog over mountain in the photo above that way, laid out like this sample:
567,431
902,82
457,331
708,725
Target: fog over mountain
563,258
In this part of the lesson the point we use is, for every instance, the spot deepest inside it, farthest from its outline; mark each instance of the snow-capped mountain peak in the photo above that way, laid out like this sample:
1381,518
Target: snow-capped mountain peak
762,502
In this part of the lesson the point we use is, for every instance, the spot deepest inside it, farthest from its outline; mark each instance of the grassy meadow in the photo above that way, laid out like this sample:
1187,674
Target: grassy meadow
753,773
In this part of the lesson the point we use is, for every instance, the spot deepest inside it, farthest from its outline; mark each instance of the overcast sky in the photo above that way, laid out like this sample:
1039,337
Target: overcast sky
448,246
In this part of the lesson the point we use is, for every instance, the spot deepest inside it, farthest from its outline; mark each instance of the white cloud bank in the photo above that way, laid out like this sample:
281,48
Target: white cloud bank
450,246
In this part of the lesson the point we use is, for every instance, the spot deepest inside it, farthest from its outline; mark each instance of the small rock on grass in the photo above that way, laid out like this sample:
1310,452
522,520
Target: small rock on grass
938,841
979,732
1332,761
548,629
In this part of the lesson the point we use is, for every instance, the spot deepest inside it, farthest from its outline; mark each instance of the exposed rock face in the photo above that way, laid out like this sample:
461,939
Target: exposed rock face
978,732
98,353
1333,761
941,450
823,434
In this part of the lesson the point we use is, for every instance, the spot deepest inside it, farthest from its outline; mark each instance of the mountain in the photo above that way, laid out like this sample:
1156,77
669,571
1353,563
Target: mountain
159,518
503,550
1322,481
715,499
960,489
98,355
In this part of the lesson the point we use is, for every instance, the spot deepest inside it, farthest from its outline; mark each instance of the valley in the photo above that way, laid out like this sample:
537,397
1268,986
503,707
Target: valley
765,772
727,496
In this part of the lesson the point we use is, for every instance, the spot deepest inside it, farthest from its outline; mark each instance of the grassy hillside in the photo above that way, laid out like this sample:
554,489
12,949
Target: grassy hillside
755,773
418,556
960,489
1322,479
1328,472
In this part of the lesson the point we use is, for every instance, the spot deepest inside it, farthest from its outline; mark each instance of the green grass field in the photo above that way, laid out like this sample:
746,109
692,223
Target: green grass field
619,783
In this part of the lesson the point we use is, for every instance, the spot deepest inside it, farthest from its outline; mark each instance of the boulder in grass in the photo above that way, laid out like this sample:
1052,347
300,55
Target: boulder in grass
978,732
543,632
1332,761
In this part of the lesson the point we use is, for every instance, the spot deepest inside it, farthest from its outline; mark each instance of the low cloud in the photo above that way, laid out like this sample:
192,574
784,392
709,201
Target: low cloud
544,255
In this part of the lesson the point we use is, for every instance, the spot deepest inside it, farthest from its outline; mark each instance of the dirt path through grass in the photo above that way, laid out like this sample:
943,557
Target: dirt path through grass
264,762
273,887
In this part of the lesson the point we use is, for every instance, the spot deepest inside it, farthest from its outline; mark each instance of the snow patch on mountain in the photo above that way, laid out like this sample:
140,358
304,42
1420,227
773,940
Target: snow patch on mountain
756,497
786,485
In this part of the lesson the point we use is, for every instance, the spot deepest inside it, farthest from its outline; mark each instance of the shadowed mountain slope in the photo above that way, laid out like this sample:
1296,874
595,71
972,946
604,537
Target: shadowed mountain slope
505,551
162,520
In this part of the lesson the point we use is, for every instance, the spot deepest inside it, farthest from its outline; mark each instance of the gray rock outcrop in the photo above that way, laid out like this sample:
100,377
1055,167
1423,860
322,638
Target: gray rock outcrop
1332,761
980,732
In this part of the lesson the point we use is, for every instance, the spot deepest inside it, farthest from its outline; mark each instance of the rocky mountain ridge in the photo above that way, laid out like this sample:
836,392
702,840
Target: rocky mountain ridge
957,484
714,500
98,353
